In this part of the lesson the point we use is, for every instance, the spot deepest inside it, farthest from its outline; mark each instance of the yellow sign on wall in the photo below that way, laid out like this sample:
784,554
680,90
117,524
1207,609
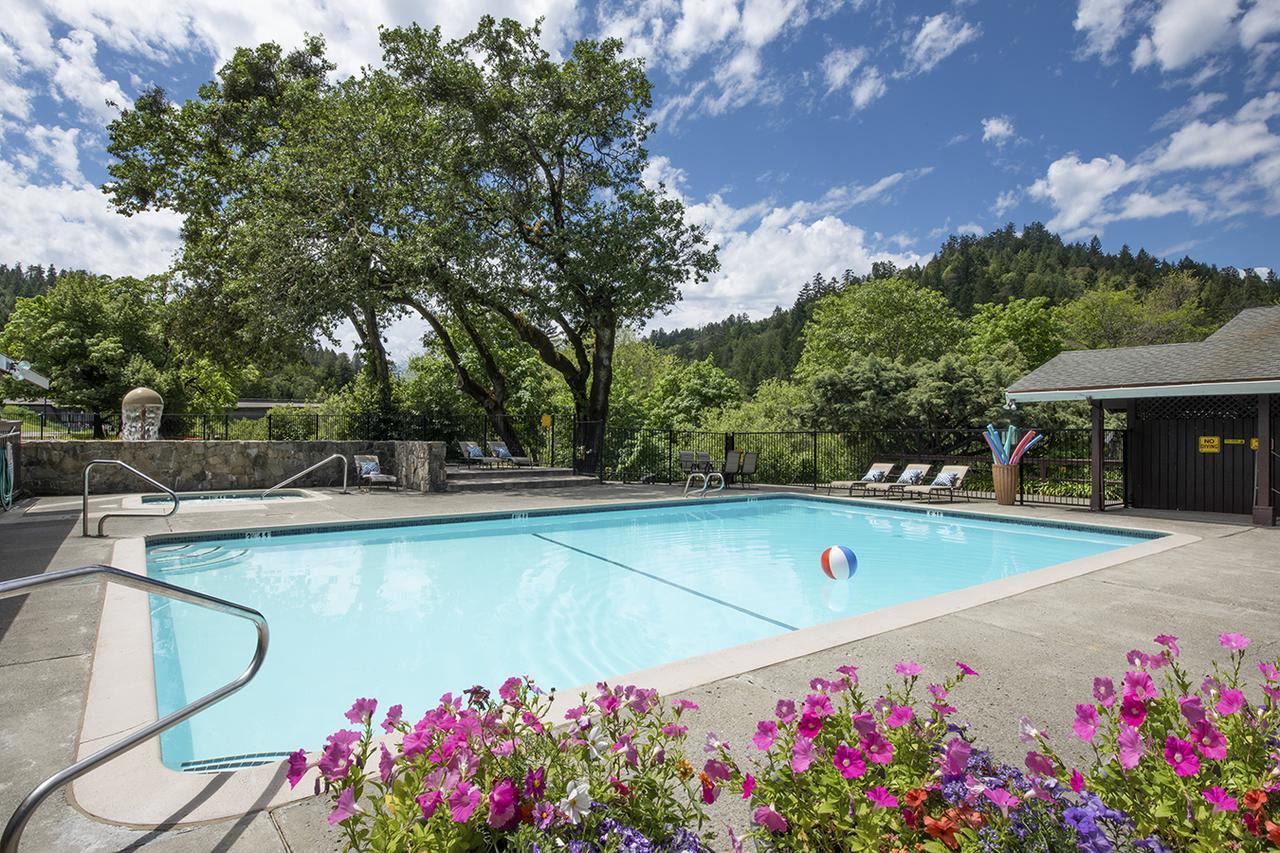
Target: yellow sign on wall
546,421
1253,444
1210,444
1233,441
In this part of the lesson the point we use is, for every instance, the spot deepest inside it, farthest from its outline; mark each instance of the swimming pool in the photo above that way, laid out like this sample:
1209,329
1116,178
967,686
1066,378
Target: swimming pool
406,611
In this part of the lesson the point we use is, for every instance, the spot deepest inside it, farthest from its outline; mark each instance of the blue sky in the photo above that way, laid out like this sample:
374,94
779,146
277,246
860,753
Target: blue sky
807,135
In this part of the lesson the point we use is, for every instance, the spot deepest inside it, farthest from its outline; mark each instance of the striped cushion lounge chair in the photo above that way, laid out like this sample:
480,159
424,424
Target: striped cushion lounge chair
949,481
877,473
912,475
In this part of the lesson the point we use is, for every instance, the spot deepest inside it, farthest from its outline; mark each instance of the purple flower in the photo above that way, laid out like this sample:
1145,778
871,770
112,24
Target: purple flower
848,760
1130,747
1233,641
1229,702
1269,672
297,767
1209,741
801,755
344,808
785,711
685,705
717,770
881,798
1086,724
810,725
608,704
386,765
770,820
335,758
1139,685
864,724
1133,711
1003,799
1039,765
463,801
673,730
899,717
535,783
818,705
509,690
908,669
502,805
1181,756
1028,733
966,669
1219,799
766,734
544,815
748,785
429,802
956,757
849,671
877,749
393,717
1104,690
1170,642
1192,709
362,711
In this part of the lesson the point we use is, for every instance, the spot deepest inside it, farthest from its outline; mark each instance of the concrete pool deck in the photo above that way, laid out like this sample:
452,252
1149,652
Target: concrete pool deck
1037,650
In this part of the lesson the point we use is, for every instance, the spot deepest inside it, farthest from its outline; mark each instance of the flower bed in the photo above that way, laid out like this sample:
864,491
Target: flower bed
1176,766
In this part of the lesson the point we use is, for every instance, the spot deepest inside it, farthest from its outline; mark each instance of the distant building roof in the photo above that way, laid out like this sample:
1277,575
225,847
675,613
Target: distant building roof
1242,357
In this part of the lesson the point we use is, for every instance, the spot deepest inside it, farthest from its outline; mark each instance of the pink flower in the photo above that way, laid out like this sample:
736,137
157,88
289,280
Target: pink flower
345,807
848,760
393,717
748,785
1104,690
877,749
864,724
429,802
642,699
1192,709
335,758
1077,781
1137,658
575,713
810,725
908,669
819,683
1039,765
535,783
849,671
463,801
881,798
416,741
1086,724
1219,799
937,691
362,711
1139,685
1131,747
766,734
819,706
608,704
674,730
297,767
1229,702
1133,711
386,765
801,755
785,711
502,805
1002,799
1028,733
899,717
717,770
1209,741
1269,672
770,820
1233,641
510,689
531,720
1181,756
956,757
966,669
685,705
1170,642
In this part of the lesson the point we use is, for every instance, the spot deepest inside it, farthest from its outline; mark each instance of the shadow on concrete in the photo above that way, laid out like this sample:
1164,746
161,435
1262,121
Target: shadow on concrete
28,548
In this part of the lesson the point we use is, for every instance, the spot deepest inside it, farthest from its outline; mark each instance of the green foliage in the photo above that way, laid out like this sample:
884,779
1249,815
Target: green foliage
683,396
1168,313
17,282
1030,325
776,405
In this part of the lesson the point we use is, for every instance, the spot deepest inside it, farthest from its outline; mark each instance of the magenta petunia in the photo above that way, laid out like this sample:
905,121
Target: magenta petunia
849,671
386,765
1209,741
1137,658
881,798
717,770
1192,709
966,669
1077,781
818,705
1170,642
1039,764
748,785
394,713
801,755
1229,702
810,725
335,758
1027,732
1235,642
685,705
297,767
1269,672
956,757
1104,690
1086,724
1130,747
864,723
785,711
531,720
429,802
877,749
770,820
1133,711
502,805
463,802
674,730
344,808
608,704
1003,800
908,669
819,683
899,717
1220,800
509,690
1139,686
362,711
575,713
766,734
848,760
1181,756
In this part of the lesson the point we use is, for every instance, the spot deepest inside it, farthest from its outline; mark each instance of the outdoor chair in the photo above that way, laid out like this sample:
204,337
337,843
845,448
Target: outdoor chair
702,462
686,462
910,476
732,465
748,469
877,473
369,470
499,450
473,454
949,481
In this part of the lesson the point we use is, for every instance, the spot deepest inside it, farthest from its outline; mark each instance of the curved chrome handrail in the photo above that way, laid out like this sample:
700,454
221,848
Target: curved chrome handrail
84,524
17,823
319,464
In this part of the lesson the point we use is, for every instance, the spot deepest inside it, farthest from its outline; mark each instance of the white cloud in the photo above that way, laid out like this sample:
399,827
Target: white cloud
78,77
1078,189
971,228
1260,109
1199,104
1103,23
939,37
838,66
1184,30
870,86
998,129
1259,23
1210,146
1006,201
58,145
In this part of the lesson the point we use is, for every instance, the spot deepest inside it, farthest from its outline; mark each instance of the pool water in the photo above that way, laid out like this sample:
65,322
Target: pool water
406,613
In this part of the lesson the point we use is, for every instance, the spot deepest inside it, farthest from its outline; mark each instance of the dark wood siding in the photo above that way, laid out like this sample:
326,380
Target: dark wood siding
1168,471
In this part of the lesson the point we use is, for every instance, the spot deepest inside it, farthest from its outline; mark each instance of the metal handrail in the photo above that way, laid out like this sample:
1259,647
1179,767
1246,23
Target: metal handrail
84,524
319,464
17,823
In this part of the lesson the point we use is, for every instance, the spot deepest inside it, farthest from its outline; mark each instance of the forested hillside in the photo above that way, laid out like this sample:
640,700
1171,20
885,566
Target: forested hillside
970,271
18,281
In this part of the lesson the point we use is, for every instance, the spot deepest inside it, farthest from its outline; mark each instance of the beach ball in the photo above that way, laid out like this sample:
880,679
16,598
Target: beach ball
839,563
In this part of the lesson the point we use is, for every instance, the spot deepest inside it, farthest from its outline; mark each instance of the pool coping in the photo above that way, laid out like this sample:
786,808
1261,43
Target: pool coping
199,502
139,790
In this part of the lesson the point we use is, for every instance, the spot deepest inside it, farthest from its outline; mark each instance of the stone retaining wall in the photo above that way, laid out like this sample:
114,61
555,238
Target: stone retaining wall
57,467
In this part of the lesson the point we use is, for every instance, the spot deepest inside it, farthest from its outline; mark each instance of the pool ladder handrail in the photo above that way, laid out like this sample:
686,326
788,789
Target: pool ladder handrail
706,483
84,522
321,463
17,823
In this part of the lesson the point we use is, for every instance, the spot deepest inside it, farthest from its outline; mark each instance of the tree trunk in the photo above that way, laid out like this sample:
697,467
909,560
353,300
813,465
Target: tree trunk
371,337
592,434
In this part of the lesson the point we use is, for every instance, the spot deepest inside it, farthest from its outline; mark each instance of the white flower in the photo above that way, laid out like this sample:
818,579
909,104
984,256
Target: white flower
577,800
1028,733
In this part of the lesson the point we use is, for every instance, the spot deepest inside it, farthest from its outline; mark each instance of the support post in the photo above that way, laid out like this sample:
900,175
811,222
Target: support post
1264,504
1097,494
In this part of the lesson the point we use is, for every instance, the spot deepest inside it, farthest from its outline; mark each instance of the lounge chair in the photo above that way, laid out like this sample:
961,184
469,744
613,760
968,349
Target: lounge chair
912,475
686,462
473,454
877,473
748,470
949,481
369,470
732,465
500,451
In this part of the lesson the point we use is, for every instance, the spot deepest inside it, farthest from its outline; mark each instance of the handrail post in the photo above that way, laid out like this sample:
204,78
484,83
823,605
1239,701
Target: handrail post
325,461
84,520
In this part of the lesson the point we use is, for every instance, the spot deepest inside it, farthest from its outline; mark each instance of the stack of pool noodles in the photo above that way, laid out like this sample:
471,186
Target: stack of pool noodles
1009,448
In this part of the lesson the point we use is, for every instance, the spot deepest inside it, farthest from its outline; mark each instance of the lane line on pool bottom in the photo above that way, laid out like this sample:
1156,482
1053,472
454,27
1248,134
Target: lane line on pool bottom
711,598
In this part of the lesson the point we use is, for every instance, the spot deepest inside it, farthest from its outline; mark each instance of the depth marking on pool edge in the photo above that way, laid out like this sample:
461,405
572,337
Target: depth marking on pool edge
711,598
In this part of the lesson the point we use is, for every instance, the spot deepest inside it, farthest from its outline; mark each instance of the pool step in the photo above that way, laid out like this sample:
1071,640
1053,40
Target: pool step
504,479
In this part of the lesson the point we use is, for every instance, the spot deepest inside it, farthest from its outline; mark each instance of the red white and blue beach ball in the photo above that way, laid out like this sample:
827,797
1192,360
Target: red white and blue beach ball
839,563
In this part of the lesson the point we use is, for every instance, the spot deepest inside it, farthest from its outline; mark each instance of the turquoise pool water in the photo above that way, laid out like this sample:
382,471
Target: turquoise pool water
407,613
